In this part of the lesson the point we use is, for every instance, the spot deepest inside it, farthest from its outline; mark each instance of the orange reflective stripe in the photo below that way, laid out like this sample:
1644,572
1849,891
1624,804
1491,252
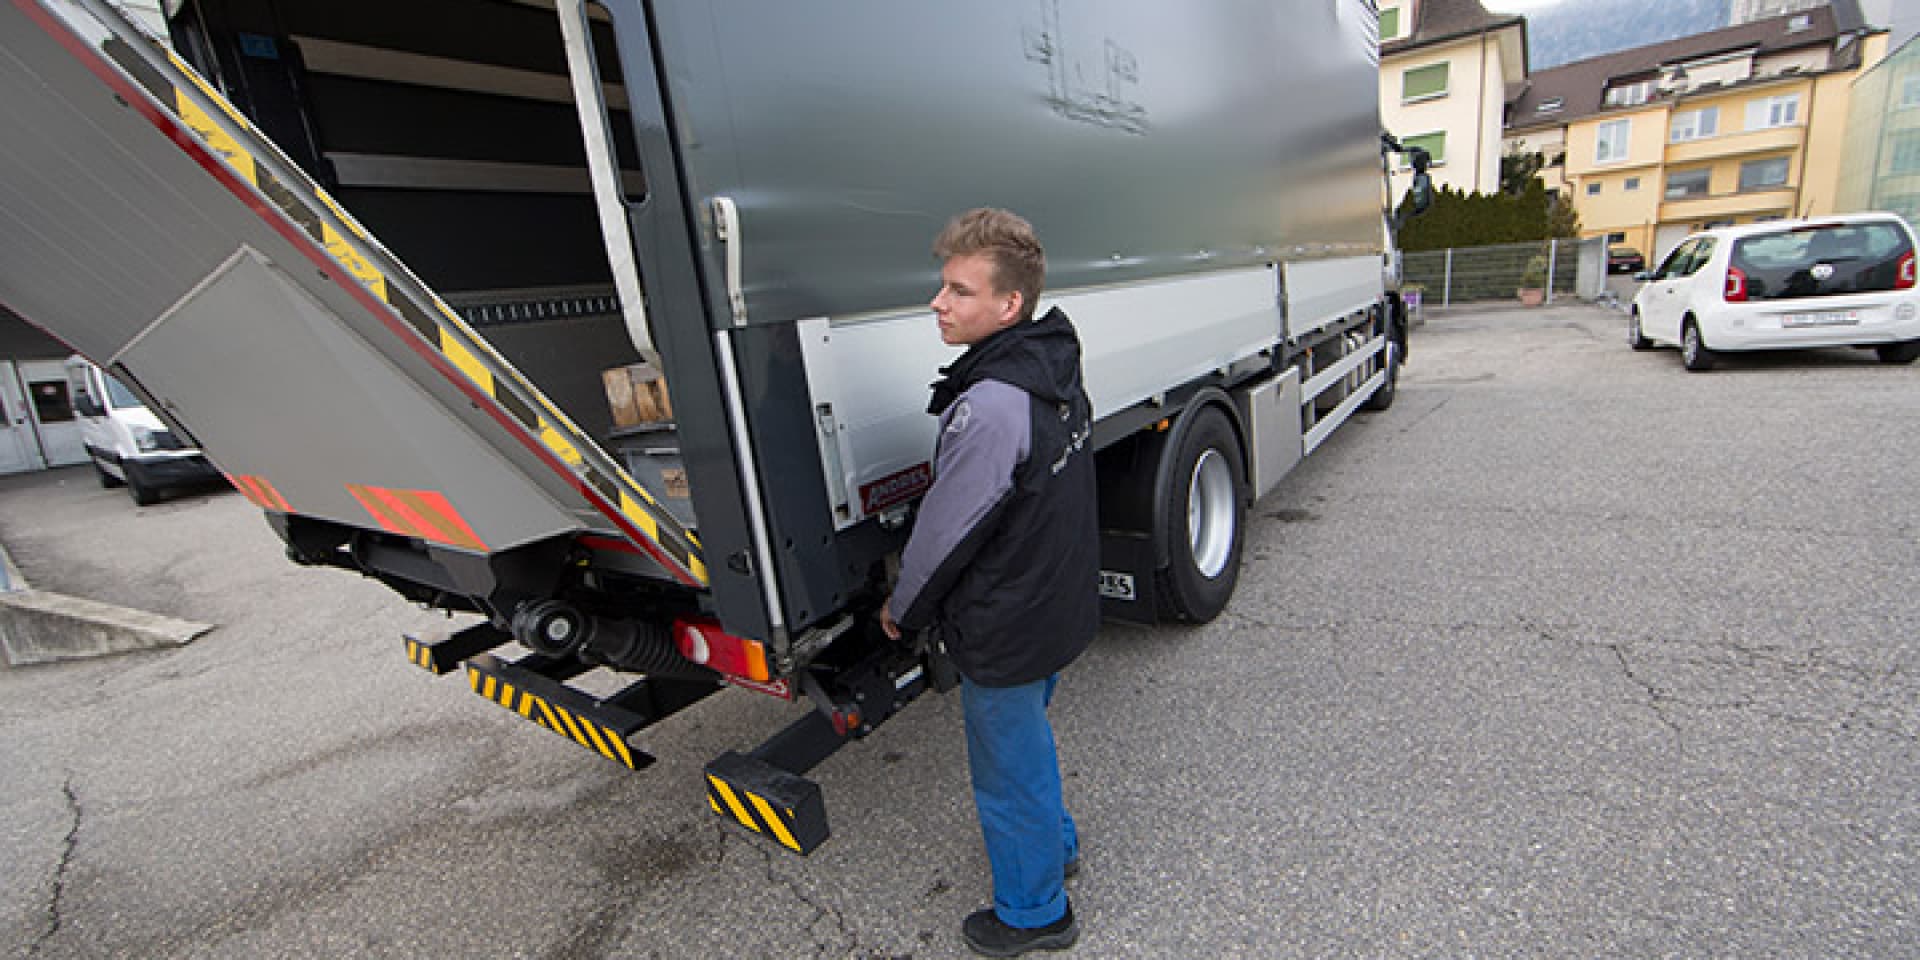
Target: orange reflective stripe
259,492
417,513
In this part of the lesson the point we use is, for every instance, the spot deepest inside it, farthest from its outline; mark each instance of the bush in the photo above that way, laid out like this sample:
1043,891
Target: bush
1534,276
1458,219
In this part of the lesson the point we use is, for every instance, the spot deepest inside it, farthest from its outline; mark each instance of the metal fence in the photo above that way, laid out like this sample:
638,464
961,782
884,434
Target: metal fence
1443,277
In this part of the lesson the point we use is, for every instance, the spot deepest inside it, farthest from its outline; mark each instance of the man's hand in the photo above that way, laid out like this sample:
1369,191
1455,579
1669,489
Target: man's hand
887,626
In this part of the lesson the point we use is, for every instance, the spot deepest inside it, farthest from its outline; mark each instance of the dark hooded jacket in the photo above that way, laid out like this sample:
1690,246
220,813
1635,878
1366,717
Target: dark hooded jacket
1005,553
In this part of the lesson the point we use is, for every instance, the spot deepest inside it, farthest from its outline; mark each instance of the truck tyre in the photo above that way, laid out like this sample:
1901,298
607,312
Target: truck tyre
144,494
107,480
1203,516
1383,397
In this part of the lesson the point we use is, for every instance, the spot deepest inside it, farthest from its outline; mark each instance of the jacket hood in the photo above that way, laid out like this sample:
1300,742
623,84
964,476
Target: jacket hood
1041,356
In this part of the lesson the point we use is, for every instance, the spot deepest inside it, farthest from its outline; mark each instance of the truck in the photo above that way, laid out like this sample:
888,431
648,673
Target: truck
604,324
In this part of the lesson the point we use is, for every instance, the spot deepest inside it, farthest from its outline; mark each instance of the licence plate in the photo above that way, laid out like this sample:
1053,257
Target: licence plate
1826,318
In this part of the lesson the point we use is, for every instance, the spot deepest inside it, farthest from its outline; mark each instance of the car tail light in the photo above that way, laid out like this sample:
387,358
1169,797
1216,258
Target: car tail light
1904,278
703,642
1736,285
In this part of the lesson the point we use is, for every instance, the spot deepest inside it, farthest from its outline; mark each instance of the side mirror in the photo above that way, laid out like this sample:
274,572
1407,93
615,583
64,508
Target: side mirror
1420,195
1643,276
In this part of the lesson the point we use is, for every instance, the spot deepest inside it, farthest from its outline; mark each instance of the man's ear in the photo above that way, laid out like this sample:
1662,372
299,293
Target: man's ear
1016,302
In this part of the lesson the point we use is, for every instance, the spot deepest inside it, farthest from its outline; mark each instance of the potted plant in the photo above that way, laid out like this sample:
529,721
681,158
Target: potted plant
1533,282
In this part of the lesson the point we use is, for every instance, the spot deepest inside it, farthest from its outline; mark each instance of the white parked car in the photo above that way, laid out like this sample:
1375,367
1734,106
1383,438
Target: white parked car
1782,285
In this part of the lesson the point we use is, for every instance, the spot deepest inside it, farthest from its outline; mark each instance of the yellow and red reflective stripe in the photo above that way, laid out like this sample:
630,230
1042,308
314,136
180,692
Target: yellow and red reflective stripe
259,492
417,513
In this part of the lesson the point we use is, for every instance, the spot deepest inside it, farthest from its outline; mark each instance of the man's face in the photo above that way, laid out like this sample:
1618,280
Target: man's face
968,307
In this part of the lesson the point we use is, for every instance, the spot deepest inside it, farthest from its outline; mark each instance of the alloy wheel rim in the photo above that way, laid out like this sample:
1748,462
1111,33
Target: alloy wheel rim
1210,518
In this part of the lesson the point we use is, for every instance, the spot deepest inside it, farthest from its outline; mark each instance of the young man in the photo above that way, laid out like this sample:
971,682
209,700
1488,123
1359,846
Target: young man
1004,561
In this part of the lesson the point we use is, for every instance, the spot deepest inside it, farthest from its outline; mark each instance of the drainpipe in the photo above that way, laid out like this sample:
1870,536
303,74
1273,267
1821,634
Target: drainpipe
1806,136
1480,106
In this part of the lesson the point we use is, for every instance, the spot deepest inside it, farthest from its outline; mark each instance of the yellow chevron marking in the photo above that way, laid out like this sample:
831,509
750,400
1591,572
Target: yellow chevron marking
726,793
216,137
640,516
473,679
697,567
340,212
572,730
592,730
337,247
546,711
207,89
630,506
527,700
559,444
620,746
491,685
466,361
715,804
779,826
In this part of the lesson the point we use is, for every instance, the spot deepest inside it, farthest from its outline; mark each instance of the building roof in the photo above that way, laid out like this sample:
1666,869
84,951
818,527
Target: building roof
1582,85
1438,21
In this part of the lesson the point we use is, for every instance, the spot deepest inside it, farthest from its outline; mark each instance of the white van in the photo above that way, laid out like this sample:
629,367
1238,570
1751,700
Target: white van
128,444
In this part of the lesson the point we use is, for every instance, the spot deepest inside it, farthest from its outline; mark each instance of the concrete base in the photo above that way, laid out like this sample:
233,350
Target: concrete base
41,627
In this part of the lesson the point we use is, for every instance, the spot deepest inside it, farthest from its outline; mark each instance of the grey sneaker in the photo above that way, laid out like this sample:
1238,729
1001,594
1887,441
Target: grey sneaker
988,936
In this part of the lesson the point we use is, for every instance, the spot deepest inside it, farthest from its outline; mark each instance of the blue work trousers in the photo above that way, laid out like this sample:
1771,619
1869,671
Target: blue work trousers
1016,790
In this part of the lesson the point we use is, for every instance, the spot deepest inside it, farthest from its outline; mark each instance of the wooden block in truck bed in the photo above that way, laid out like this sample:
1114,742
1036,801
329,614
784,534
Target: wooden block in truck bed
637,395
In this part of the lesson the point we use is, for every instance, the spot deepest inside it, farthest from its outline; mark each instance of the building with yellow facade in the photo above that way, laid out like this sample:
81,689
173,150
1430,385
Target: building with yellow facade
1731,126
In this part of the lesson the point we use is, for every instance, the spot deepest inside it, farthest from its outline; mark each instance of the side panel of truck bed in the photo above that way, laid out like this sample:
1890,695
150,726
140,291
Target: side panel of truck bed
1143,140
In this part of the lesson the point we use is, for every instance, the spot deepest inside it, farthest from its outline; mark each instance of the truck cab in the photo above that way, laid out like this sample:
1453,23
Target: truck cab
128,444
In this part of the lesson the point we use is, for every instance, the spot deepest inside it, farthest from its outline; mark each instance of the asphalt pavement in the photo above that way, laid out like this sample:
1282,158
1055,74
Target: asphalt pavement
1568,654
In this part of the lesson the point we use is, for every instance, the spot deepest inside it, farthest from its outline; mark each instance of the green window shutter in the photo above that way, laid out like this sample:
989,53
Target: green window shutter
1434,143
1390,23
1427,81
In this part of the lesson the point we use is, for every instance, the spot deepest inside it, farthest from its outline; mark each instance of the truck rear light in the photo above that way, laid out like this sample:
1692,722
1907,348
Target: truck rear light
1736,285
703,642
1903,279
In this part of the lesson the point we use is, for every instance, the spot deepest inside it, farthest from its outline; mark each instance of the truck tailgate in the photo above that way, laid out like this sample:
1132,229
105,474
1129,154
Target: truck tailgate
149,226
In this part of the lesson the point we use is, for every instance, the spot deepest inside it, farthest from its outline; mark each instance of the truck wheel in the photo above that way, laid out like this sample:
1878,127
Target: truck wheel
107,480
1204,513
1383,397
144,494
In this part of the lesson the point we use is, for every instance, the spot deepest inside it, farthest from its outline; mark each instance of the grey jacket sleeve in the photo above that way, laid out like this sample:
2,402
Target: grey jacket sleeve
984,437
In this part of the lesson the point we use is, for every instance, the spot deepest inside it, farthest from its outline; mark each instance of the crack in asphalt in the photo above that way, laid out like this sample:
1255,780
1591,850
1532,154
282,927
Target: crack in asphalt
824,943
54,918
1657,700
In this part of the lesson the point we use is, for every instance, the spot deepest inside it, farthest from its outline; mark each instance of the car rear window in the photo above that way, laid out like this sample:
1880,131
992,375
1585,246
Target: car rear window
1822,260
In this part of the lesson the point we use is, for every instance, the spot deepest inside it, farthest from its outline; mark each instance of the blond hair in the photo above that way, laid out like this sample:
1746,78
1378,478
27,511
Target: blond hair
1007,241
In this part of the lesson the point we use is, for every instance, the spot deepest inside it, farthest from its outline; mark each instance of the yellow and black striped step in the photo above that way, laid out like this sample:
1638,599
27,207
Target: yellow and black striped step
784,807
